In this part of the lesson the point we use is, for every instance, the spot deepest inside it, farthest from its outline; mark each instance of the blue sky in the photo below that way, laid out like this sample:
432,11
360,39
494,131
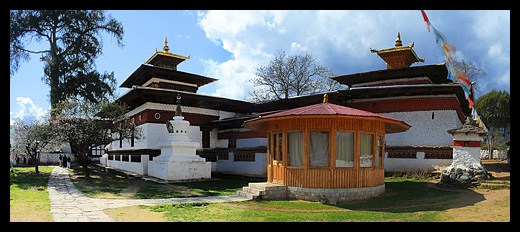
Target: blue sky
229,45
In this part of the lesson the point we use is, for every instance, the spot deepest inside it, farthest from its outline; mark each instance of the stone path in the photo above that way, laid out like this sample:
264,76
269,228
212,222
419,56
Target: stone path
68,204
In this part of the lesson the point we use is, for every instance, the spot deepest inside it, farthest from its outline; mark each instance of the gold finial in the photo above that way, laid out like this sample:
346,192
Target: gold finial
166,48
325,98
398,42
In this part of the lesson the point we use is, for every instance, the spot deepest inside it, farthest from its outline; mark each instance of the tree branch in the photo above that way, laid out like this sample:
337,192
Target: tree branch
25,50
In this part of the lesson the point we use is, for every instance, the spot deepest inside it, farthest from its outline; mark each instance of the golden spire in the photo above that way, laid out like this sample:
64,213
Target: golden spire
325,98
398,42
166,48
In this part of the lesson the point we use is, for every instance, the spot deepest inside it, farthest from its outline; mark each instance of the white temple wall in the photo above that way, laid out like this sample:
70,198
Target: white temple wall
425,131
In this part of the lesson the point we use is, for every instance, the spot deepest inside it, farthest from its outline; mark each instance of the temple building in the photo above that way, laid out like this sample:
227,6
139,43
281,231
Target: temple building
154,87
421,96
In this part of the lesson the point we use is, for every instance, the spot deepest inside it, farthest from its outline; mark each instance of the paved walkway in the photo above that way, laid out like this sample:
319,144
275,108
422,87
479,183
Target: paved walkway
68,204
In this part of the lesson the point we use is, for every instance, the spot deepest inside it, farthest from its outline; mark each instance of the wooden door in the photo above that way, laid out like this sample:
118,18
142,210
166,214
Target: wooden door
276,163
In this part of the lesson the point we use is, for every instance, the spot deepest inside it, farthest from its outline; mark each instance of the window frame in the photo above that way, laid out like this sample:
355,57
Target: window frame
373,148
356,141
303,148
329,148
382,150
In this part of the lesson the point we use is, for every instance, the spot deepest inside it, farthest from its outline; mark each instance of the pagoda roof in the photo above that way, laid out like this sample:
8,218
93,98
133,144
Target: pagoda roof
139,95
436,73
146,71
328,109
398,56
158,58
468,128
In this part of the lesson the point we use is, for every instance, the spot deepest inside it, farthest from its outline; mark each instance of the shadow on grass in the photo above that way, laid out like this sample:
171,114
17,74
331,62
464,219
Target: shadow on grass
26,178
416,195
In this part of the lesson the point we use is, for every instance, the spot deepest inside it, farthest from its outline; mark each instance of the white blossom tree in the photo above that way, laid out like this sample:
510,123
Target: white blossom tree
32,135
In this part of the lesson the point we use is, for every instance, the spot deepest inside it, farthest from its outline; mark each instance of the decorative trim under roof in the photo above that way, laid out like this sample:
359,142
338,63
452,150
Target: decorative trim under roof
436,73
145,72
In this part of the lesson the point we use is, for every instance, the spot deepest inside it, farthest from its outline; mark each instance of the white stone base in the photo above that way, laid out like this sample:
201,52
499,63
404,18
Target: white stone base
466,157
180,169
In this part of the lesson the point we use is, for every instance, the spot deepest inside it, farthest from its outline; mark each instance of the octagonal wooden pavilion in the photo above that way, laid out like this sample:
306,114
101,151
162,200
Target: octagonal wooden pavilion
326,146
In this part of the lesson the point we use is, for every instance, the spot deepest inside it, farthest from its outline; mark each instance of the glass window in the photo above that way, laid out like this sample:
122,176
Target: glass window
319,149
275,145
295,148
280,143
344,149
269,152
379,157
366,150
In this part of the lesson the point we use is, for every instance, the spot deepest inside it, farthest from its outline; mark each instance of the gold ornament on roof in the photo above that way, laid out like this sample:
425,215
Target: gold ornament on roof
398,42
166,48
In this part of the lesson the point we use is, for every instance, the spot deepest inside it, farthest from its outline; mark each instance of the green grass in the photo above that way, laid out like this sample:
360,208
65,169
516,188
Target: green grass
220,185
404,200
97,186
101,184
29,199
222,212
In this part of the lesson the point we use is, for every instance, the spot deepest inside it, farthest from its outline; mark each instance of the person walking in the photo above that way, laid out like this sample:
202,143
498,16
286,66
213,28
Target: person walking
68,162
61,160
12,166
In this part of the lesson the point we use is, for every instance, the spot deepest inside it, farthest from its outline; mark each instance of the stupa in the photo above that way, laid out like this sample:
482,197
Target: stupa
178,160
466,168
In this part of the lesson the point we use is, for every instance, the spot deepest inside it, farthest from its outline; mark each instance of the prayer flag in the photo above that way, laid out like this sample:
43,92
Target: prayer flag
470,103
449,48
466,91
426,20
439,37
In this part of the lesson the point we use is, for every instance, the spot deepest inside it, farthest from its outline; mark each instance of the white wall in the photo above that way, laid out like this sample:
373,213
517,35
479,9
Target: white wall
420,163
425,131
257,168
154,134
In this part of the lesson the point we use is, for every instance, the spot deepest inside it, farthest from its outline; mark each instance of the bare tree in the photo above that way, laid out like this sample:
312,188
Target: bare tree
473,72
291,75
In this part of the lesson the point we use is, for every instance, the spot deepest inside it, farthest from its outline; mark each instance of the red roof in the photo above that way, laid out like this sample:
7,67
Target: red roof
394,126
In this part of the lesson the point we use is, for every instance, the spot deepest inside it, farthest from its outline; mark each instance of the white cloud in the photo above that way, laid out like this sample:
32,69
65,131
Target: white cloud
340,40
27,107
254,37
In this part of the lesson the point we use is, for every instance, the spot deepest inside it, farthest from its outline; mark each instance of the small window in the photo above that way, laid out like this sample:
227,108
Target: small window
275,145
366,150
344,149
379,157
232,142
269,146
319,149
120,139
280,144
295,148
205,137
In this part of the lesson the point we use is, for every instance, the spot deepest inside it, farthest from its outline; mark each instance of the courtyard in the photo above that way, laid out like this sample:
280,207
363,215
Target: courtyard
120,198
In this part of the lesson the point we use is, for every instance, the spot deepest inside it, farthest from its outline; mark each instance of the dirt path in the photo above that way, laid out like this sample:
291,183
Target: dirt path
495,207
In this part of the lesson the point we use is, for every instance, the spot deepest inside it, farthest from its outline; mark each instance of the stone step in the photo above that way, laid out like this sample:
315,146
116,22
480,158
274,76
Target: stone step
253,191
248,195
263,190
266,186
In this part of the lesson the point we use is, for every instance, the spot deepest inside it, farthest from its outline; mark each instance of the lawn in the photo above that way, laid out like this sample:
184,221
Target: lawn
102,184
29,199
404,200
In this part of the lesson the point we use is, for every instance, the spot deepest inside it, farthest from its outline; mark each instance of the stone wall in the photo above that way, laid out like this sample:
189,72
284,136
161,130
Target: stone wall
497,154
329,196
334,196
